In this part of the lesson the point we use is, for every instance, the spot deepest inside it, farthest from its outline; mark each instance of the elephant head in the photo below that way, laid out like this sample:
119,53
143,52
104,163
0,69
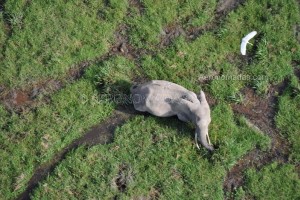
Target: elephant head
202,121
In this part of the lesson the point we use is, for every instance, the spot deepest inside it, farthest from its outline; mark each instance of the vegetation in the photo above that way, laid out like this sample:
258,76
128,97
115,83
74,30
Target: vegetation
268,182
287,121
48,38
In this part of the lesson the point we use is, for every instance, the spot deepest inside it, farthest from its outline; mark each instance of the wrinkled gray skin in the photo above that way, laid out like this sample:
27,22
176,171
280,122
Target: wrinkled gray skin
165,99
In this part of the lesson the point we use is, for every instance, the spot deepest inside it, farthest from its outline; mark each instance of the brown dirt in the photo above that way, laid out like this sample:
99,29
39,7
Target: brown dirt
297,32
137,4
99,134
124,177
154,194
260,112
170,33
296,66
225,6
122,46
20,98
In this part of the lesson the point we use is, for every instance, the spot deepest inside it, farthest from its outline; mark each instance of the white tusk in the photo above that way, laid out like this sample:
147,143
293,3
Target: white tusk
207,136
196,141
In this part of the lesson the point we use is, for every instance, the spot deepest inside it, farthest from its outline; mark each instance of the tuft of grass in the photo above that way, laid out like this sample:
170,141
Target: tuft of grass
113,76
2,30
274,181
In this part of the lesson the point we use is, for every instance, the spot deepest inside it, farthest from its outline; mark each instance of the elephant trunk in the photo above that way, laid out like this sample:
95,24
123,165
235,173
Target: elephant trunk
202,134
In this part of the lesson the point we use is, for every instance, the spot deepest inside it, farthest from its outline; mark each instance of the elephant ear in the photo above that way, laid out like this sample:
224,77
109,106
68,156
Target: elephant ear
202,98
185,97
181,102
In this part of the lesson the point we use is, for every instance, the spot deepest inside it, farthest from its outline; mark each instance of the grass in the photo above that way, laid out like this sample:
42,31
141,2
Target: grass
153,155
287,121
150,157
147,27
211,52
42,133
48,38
267,183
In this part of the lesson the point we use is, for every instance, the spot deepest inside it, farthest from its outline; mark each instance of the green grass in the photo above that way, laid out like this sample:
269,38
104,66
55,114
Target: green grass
274,181
287,121
48,38
274,51
155,157
3,36
146,29
185,61
158,154
35,136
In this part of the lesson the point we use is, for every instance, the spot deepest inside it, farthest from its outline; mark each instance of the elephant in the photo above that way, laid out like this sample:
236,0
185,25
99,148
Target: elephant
164,99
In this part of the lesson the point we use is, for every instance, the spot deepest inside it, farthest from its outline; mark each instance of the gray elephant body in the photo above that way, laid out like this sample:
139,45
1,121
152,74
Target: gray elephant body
165,99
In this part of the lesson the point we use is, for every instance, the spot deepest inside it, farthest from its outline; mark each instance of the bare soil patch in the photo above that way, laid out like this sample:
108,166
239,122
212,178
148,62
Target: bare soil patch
296,65
122,45
225,6
297,31
137,4
124,177
170,33
22,98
